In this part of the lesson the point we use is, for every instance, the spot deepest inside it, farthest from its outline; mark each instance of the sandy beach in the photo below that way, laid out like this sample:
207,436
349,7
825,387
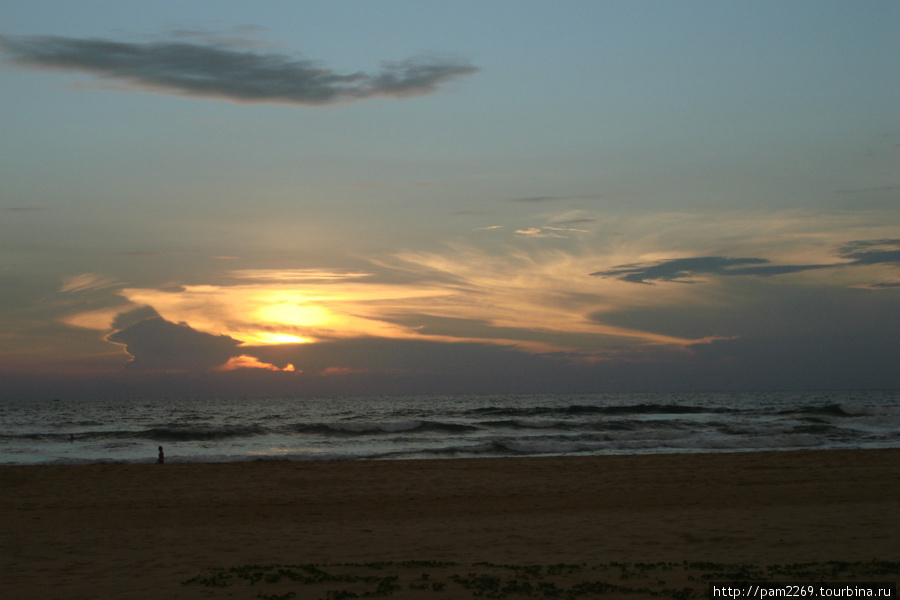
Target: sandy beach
155,531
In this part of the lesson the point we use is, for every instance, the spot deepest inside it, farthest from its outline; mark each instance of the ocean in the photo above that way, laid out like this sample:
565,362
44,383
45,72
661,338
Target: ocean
417,427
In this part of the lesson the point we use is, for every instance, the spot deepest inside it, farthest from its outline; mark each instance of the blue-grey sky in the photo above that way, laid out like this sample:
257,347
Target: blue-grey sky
391,197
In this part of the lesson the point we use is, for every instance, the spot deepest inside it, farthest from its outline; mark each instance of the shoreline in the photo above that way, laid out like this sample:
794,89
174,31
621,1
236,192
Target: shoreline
98,530
200,460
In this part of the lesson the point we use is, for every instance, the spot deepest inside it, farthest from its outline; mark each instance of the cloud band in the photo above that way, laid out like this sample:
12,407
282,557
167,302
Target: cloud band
212,71
862,252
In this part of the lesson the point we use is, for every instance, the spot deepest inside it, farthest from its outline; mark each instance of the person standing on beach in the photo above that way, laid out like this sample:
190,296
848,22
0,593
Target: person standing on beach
162,457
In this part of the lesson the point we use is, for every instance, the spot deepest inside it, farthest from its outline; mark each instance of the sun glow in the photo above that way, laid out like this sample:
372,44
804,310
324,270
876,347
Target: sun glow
265,337
535,302
296,313
266,312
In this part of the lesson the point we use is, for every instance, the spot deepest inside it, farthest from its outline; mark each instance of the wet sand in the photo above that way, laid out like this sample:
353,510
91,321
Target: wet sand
140,531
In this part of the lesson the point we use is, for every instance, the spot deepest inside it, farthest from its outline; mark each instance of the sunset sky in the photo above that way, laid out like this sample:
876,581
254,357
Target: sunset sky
355,197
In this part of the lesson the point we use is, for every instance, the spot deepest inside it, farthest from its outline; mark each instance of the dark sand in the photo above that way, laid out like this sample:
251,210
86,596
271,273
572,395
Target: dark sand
139,531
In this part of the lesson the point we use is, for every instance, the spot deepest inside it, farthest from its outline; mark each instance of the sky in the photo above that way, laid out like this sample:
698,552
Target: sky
215,198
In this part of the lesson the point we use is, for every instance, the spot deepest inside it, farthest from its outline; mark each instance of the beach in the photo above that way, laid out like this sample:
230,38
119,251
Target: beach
155,531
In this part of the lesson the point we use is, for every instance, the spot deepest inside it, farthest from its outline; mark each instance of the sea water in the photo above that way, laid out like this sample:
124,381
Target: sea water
414,427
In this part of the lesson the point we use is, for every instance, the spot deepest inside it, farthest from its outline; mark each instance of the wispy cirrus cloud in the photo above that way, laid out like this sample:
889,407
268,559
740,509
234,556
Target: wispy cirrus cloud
84,282
217,71
297,275
548,231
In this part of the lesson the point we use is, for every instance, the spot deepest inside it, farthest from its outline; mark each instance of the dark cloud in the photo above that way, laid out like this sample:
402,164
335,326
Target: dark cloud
681,269
159,345
134,316
216,71
872,252
863,252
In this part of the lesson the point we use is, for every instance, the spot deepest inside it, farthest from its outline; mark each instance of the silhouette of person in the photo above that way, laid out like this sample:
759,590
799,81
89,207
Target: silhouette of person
162,457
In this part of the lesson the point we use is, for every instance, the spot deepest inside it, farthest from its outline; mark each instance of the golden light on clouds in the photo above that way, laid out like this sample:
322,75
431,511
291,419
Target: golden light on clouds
538,299
537,303
251,362
101,319
284,307
297,275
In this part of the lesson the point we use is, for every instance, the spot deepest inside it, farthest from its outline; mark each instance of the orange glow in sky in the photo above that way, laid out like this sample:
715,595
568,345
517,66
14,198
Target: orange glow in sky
251,362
